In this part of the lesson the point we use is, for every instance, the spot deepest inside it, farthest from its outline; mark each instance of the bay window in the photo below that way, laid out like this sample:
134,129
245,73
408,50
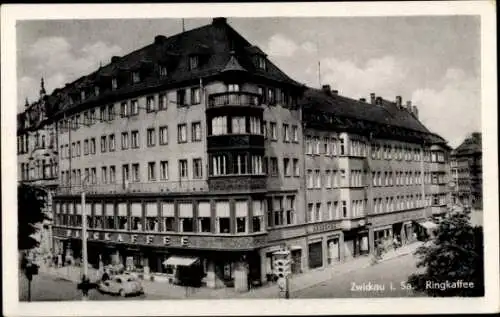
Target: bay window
238,125
240,164
219,125
219,166
257,165
255,125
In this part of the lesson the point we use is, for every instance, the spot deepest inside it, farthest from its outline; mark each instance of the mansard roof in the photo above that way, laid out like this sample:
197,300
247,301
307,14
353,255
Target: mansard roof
217,45
348,113
471,145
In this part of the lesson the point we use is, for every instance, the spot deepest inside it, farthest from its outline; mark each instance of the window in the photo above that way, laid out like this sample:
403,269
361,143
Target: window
240,164
318,217
124,109
114,83
274,166
151,171
196,131
219,165
197,168
182,133
274,132
271,96
222,217
151,135
164,170
111,112
290,210
125,140
92,146
112,174
258,216
316,145
103,143
102,114
344,209
329,210
257,167
287,167
204,217
261,91
326,147
93,175
295,133
162,101
183,169
150,104
296,167
219,125
261,62
136,77
163,135
78,148
168,214
135,139
241,209
233,87
134,108
318,178
135,172
238,125
310,211
163,70
195,96
112,142
286,132
342,146
328,176
181,97
193,62
255,126
104,174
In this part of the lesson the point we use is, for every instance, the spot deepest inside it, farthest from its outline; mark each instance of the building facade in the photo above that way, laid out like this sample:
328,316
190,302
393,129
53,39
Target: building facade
198,151
466,171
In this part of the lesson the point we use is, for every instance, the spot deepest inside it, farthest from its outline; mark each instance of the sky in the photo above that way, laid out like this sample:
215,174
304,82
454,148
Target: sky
432,61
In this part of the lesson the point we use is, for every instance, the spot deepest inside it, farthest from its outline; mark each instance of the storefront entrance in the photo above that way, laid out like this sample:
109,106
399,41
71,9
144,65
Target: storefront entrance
315,255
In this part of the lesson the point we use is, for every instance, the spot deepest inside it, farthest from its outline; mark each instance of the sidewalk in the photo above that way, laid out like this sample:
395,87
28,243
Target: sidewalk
297,282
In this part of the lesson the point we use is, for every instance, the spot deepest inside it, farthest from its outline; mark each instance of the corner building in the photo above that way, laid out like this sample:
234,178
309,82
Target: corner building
197,151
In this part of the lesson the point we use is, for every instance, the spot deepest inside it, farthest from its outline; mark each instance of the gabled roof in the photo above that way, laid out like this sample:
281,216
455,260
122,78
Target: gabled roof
387,114
215,43
471,145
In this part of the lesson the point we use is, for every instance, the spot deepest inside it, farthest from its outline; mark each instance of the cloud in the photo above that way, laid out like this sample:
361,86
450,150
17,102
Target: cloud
451,110
383,76
55,59
280,45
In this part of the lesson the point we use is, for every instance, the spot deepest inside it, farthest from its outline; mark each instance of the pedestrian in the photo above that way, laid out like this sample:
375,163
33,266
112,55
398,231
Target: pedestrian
395,242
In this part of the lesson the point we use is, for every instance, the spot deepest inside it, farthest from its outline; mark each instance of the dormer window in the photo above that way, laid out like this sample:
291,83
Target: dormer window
114,83
96,90
136,77
261,62
163,71
193,62
82,94
233,87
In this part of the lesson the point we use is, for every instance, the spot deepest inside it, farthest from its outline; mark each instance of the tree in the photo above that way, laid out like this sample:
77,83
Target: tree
455,255
30,204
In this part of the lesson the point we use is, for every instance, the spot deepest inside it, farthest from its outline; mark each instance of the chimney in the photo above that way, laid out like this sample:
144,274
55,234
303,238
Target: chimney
372,98
399,102
335,92
115,59
219,21
415,111
160,39
362,99
326,89
408,106
378,101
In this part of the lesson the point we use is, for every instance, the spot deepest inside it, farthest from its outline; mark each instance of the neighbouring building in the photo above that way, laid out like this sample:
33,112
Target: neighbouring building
197,151
467,172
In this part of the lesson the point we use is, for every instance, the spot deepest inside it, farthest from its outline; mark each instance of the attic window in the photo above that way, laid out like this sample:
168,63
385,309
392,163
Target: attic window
96,90
114,83
163,71
136,77
193,62
82,94
261,62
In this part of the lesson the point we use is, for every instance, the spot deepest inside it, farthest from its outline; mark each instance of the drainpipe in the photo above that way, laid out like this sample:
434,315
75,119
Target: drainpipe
304,180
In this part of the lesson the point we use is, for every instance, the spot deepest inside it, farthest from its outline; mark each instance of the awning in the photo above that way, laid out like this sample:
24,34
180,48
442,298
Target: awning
180,260
428,224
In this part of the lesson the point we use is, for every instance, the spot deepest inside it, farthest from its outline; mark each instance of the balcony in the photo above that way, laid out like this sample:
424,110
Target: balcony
137,187
236,98
237,182
235,141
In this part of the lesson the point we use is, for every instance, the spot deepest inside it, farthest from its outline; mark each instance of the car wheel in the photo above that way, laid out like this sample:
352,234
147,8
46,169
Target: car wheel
122,293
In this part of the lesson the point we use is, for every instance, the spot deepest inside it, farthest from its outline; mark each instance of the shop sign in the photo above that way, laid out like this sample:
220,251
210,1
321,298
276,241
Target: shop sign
325,227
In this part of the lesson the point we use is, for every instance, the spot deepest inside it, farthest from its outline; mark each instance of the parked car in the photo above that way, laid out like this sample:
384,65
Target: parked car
122,285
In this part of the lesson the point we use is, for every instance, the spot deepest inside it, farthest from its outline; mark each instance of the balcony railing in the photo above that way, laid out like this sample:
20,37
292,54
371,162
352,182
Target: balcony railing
237,182
137,187
236,98
235,141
